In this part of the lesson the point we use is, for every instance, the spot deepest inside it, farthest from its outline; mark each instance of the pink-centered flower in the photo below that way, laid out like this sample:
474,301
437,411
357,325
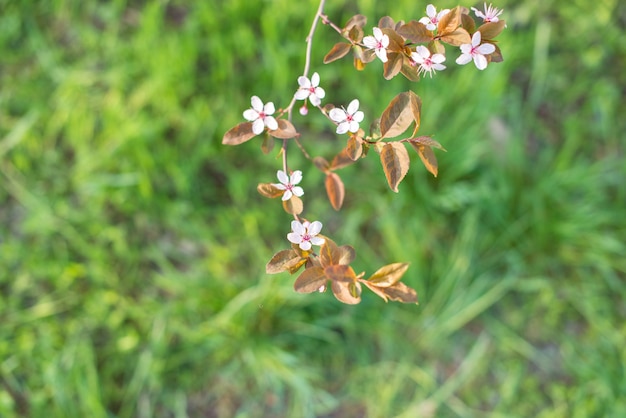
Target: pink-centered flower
260,115
310,89
428,64
475,51
432,18
379,43
491,13
288,184
304,234
347,119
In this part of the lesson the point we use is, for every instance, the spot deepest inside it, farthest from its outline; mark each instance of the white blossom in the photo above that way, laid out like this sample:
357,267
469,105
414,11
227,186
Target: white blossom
304,234
432,18
310,89
428,64
348,120
491,13
288,184
379,43
260,115
475,51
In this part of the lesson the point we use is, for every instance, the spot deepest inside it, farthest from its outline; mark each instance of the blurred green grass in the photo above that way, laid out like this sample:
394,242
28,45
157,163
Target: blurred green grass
133,244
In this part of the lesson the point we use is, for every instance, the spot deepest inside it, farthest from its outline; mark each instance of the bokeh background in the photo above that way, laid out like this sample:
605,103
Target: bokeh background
133,244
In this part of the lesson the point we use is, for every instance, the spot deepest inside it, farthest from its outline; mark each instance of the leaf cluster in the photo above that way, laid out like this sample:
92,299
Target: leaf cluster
332,265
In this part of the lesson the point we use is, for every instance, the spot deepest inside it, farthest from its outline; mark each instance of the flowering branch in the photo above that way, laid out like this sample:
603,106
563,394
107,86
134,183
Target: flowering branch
411,49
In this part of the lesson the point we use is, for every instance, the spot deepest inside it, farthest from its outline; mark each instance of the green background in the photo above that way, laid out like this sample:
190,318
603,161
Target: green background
133,244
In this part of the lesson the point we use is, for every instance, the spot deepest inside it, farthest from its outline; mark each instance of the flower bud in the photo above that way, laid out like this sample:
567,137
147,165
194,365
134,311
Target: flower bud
303,110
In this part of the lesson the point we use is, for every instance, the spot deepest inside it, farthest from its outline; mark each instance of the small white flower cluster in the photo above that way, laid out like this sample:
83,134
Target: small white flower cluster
422,56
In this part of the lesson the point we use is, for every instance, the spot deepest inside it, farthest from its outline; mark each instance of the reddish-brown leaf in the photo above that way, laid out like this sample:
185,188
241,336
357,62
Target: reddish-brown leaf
341,160
269,190
338,51
403,110
388,275
354,148
495,56
409,70
457,38
340,273
395,161
356,20
310,280
347,255
386,22
321,164
239,134
428,141
268,144
294,205
283,261
490,30
335,190
356,33
393,65
399,292
468,23
416,109
449,22
427,156
285,130
349,293
415,32
330,254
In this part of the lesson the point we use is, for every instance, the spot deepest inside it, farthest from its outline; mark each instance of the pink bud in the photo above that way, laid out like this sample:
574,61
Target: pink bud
303,110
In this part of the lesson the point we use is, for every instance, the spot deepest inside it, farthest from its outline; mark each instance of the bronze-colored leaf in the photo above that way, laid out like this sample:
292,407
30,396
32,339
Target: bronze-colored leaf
416,110
239,134
386,22
310,280
393,65
340,273
395,161
283,261
415,32
490,30
428,141
356,33
285,130
341,160
457,38
399,292
356,20
294,205
347,255
388,275
269,190
268,144
321,164
409,70
338,51
427,156
468,23
437,47
397,116
449,22
354,148
335,190
330,254
495,56
349,293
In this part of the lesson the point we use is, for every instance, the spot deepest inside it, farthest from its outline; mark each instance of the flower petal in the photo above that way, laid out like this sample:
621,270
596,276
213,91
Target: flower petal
486,49
304,82
480,61
257,104
320,92
315,80
342,128
251,115
431,11
271,123
370,42
317,240
353,106
305,245
296,177
337,114
476,37
279,186
295,238
315,101
287,195
269,109
315,228
464,59
298,191
353,126
438,58
302,94
358,117
385,41
382,54
298,228
282,177
258,126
